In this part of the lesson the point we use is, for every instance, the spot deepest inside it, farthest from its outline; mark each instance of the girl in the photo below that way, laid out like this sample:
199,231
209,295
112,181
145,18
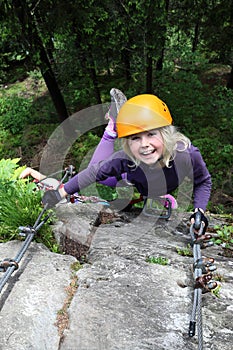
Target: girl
156,158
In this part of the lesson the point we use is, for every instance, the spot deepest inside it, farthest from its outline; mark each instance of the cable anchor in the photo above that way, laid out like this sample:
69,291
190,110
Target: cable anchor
6,263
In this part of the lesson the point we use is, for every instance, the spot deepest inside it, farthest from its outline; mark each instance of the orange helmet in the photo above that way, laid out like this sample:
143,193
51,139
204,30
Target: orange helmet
142,113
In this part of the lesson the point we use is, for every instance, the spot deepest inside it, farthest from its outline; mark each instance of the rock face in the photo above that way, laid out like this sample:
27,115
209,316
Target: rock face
31,300
123,301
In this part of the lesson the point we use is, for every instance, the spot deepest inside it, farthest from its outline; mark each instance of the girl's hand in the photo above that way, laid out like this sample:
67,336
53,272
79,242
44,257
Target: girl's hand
52,197
31,172
203,219
25,173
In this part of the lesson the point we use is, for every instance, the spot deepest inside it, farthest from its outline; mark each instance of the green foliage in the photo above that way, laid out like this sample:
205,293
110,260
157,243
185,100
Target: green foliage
82,94
83,149
20,205
218,277
9,170
76,266
15,113
183,93
187,251
216,291
180,53
27,125
106,192
157,260
91,48
203,115
217,155
225,236
221,104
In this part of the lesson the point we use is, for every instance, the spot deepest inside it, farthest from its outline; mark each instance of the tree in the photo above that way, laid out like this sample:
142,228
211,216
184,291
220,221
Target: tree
230,79
218,32
80,40
38,54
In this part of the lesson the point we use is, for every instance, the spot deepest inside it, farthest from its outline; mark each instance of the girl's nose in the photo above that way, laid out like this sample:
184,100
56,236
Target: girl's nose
144,141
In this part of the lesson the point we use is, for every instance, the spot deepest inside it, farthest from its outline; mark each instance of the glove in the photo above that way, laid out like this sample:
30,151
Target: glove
51,198
198,217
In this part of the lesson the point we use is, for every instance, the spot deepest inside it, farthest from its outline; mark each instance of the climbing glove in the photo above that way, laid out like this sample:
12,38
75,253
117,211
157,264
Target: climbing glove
199,216
51,198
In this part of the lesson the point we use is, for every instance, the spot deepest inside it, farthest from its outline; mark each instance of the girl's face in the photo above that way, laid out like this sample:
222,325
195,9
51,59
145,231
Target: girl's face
147,146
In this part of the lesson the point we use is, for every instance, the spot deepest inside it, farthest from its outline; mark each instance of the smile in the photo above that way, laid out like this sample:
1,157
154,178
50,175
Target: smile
145,153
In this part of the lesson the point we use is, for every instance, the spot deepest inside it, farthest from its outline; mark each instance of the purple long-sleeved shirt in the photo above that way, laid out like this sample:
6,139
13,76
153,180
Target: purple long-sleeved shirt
151,181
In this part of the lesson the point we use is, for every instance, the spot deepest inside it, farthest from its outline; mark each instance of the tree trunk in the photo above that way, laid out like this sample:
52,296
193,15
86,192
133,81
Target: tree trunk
159,64
31,36
51,83
163,30
94,78
149,74
87,62
149,46
126,61
230,79
196,37
108,66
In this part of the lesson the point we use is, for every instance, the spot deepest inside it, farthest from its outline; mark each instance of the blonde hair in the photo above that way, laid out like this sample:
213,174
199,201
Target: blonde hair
172,138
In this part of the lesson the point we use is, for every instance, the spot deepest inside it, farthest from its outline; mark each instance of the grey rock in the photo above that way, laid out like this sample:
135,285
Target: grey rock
122,302
32,298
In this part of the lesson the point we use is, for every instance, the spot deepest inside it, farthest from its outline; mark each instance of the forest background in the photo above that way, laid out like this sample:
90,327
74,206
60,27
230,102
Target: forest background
58,57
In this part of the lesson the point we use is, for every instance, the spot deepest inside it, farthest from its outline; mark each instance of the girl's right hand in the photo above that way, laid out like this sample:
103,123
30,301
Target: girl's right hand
31,172
25,173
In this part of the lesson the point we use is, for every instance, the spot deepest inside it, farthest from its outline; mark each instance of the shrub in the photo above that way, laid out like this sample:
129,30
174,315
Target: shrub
20,204
217,155
15,112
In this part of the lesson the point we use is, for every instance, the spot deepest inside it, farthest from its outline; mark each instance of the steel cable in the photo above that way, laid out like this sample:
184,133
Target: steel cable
29,237
196,315
198,272
30,232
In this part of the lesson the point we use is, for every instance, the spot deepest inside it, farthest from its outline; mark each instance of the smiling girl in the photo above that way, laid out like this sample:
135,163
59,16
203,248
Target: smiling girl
156,158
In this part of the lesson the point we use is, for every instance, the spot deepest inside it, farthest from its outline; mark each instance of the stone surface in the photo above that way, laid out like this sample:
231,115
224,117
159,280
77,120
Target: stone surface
126,303
75,227
122,302
32,298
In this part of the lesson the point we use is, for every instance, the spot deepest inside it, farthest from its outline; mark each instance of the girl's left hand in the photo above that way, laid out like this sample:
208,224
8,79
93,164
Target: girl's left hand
203,219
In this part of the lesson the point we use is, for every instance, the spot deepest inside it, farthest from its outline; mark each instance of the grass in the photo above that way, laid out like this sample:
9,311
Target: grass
216,291
157,260
62,322
186,251
224,236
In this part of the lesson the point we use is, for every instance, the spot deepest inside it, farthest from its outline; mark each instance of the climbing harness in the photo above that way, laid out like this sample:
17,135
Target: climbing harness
8,266
77,198
203,282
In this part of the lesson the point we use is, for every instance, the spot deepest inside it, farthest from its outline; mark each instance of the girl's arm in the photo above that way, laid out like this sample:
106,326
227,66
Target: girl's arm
202,180
31,172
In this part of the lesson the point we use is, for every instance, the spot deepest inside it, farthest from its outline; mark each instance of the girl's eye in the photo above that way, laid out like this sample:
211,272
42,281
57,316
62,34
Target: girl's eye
134,138
152,133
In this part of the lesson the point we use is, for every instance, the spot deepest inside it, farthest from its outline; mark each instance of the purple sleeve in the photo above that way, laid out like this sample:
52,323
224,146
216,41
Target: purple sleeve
104,149
83,179
105,170
202,179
